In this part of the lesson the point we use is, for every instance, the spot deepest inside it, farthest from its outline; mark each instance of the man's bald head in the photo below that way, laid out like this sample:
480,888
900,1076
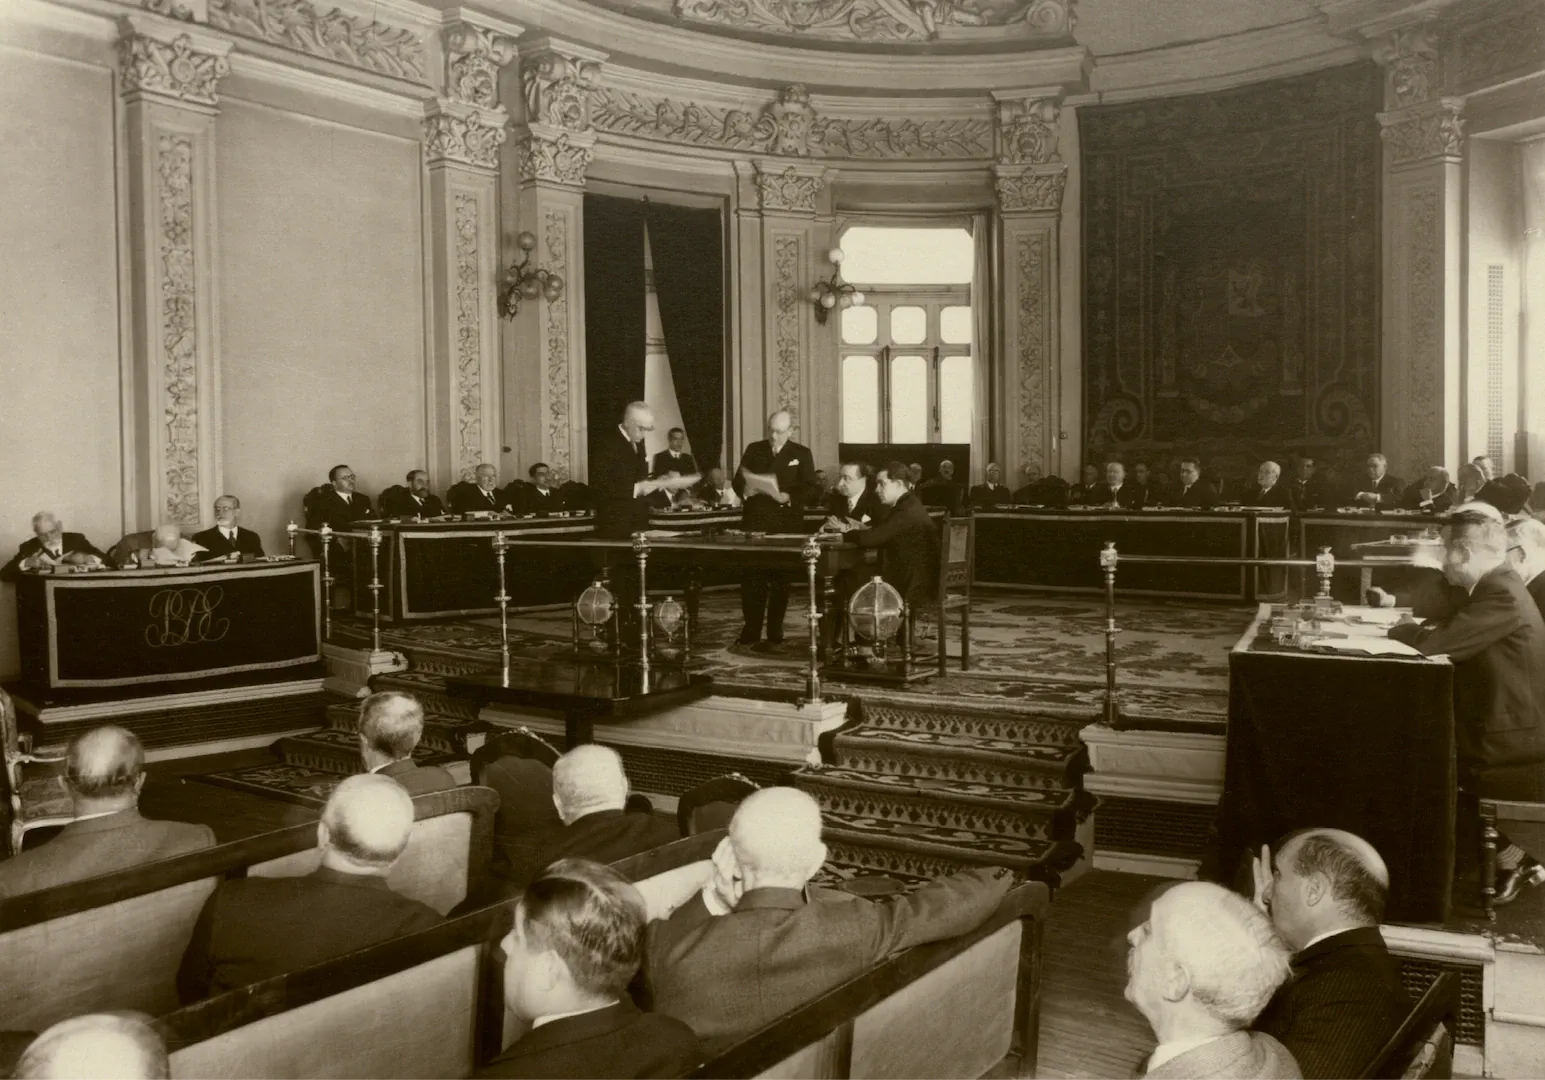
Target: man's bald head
588,779
119,1045
390,726
776,837
1326,881
168,537
105,764
365,825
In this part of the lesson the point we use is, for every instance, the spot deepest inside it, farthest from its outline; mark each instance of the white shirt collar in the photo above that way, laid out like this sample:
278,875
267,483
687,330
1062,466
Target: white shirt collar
346,496
99,813
1171,1050
539,1021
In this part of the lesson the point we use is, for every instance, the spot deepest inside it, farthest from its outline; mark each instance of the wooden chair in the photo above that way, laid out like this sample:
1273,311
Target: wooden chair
1491,812
712,803
36,796
1423,1046
957,564
522,742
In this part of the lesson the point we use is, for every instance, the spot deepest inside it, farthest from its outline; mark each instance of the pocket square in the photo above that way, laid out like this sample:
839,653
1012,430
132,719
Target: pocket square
794,462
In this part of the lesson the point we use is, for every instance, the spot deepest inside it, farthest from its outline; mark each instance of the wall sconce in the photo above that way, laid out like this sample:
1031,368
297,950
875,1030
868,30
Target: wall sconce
527,282
833,292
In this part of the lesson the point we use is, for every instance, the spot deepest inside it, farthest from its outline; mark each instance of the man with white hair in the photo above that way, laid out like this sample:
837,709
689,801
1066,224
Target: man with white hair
1526,551
117,1045
1325,891
590,793
104,772
1267,491
619,477
1434,494
480,494
254,928
764,594
1200,970
391,724
168,547
774,949
50,546
991,493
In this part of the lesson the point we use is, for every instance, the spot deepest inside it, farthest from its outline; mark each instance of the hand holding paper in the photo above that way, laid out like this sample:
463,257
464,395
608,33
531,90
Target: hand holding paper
761,484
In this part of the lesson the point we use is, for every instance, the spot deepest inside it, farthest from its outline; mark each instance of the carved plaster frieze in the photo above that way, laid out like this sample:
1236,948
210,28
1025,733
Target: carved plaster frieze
1409,57
1031,298
181,10
791,189
558,88
178,69
555,242
469,336
881,20
789,126
464,134
1423,236
179,338
473,57
1430,131
326,32
552,156
1027,131
1030,188
786,315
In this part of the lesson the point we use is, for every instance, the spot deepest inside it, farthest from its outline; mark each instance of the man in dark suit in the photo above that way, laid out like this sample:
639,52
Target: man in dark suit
104,772
1115,491
1200,969
413,501
1526,551
257,927
990,494
228,538
539,497
1325,891
1496,640
773,949
50,546
1434,493
1267,491
391,724
1086,491
619,476
479,496
942,491
1191,492
575,944
340,506
1378,488
716,492
854,497
1305,488
674,458
1143,481
765,594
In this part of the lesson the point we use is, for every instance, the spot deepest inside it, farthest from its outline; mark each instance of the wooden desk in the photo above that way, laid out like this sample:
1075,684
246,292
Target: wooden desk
1343,532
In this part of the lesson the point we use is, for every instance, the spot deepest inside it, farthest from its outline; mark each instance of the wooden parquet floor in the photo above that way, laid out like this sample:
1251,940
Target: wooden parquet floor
1087,1028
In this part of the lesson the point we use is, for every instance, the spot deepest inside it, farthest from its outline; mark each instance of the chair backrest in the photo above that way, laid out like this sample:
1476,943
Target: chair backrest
712,803
310,503
521,743
1424,1041
957,556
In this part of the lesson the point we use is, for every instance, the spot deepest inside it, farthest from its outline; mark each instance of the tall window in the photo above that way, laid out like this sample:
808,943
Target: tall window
907,368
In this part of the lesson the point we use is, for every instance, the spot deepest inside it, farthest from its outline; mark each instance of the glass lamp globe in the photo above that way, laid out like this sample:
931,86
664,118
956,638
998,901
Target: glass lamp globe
668,616
594,608
875,611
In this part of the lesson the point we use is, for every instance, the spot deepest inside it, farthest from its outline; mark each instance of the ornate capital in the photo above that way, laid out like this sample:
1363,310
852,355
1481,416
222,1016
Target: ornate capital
913,21
1030,188
793,189
473,56
1409,57
553,155
1027,130
173,64
464,134
1431,131
557,83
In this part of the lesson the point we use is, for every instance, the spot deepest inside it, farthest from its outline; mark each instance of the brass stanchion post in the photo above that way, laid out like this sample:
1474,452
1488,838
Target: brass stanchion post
325,533
292,529
1325,567
812,556
641,553
1108,562
502,598
375,588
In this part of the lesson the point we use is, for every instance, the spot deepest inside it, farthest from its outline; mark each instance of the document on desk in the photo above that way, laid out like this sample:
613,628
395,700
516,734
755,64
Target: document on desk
1367,645
760,484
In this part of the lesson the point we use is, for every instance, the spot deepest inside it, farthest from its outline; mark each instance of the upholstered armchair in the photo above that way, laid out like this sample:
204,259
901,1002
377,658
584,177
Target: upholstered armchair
35,794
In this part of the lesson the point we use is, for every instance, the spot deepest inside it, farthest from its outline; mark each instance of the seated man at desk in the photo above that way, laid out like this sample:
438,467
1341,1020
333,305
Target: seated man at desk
1377,489
228,538
1116,492
413,501
479,496
169,548
1306,488
539,497
1192,493
716,491
338,505
1267,491
854,498
1084,493
674,458
942,490
1434,493
50,546
990,494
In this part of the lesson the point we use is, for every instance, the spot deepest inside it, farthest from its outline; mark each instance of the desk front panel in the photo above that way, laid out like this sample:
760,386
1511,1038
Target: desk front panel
1340,531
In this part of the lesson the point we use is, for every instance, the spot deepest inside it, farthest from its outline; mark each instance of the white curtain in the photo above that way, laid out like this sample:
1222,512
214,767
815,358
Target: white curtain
984,349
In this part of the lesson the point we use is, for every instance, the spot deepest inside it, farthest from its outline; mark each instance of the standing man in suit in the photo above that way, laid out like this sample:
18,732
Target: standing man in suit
576,942
1496,640
674,458
539,497
391,724
766,593
1325,892
1192,493
104,772
1434,493
773,949
482,495
1379,488
854,498
228,538
619,477
413,501
990,494
254,928
1306,490
1267,491
1116,492
50,546
1200,970
1526,551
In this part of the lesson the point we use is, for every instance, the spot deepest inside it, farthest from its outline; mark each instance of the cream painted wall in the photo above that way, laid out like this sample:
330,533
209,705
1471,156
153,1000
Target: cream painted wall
1495,214
321,308
60,443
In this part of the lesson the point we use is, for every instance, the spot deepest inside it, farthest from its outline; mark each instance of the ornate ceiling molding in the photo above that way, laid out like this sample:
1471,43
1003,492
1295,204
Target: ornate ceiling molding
1409,57
171,62
330,33
914,21
788,188
559,81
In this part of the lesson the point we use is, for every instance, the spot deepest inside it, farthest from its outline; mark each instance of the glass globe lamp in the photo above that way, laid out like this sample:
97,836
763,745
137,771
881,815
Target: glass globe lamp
875,613
594,610
670,624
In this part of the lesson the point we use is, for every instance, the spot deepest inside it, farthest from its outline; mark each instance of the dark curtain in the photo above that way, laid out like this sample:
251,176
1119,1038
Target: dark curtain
687,245
614,311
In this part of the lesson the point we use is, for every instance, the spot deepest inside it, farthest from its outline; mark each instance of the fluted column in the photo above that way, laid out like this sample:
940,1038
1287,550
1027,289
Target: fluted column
1423,246
1030,177
463,131
168,74
544,356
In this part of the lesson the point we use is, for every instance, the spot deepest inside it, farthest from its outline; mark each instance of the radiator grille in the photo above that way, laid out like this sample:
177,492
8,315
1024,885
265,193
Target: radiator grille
1152,827
1495,379
1419,974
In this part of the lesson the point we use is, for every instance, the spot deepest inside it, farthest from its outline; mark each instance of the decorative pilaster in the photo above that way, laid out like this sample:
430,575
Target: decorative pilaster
1423,136
463,130
1030,177
789,195
168,74
544,351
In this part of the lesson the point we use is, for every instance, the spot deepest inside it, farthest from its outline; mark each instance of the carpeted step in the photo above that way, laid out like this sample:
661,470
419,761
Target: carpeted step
332,751
1036,814
862,881
896,849
1008,763
447,734
950,717
430,691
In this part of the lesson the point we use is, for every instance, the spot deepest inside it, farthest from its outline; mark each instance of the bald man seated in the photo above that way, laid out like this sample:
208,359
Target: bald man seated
391,724
255,928
168,547
50,546
590,793
1200,969
774,949
104,772
123,1045
1325,891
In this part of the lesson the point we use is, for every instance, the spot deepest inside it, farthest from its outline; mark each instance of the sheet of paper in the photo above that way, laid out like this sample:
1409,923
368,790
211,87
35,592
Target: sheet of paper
1368,646
678,483
760,484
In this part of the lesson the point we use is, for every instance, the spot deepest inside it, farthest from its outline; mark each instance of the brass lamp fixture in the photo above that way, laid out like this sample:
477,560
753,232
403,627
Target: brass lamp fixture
834,292
525,282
